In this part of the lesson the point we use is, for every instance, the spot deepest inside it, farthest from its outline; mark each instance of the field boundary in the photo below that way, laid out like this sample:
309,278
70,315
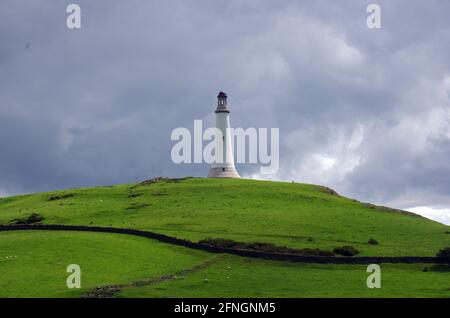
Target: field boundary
246,253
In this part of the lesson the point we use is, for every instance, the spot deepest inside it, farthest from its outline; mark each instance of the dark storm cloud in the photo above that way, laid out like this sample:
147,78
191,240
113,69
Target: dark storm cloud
363,111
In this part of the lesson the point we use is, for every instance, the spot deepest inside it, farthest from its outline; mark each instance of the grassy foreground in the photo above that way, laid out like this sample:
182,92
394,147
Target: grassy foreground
295,215
243,277
33,263
39,260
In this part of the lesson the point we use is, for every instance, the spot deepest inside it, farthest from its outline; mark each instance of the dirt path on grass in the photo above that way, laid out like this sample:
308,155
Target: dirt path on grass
109,291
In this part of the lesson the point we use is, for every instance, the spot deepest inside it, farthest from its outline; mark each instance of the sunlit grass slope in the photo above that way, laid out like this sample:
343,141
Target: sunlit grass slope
243,277
296,215
33,263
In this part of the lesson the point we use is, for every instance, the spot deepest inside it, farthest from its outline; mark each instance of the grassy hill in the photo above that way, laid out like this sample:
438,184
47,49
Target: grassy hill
294,215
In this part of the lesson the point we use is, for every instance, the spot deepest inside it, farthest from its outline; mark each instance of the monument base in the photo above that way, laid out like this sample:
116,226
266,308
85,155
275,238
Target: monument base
225,172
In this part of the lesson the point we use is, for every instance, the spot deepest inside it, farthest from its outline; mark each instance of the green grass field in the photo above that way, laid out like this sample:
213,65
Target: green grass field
295,215
243,277
37,261
33,263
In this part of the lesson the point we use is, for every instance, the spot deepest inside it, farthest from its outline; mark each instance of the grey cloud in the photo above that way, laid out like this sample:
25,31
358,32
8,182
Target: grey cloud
363,111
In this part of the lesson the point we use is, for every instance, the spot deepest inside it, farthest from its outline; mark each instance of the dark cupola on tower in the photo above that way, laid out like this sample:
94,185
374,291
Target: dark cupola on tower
222,103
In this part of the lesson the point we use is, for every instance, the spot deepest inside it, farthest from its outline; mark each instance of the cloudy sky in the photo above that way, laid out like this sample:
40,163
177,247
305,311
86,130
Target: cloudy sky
364,111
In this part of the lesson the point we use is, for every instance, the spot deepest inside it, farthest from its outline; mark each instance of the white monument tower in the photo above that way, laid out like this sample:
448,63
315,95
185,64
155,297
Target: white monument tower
224,169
